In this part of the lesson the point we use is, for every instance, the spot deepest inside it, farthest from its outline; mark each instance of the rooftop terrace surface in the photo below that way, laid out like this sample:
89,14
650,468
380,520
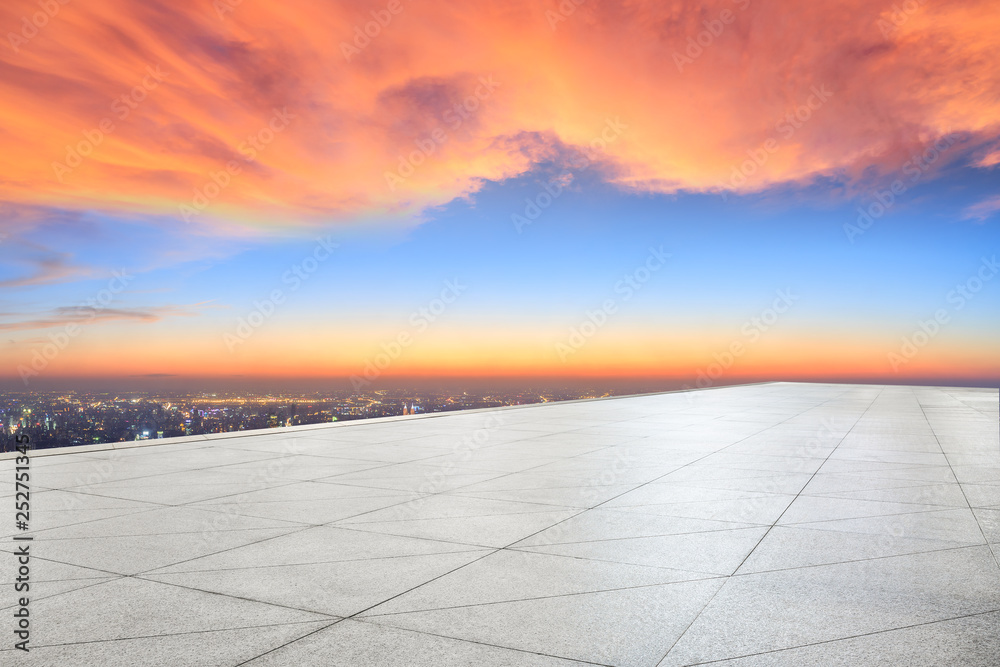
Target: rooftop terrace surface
776,524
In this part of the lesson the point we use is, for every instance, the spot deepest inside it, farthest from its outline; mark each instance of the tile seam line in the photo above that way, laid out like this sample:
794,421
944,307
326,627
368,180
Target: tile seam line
655,479
323,615
861,560
494,550
961,487
154,573
49,539
971,407
278,648
472,641
447,491
526,547
215,553
768,531
840,639
175,634
75,590
707,577
40,533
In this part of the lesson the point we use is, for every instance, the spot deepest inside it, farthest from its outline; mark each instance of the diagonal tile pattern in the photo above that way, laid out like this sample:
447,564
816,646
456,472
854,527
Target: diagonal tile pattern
773,524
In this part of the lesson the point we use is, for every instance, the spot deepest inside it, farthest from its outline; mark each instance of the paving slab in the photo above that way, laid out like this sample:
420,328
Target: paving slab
768,524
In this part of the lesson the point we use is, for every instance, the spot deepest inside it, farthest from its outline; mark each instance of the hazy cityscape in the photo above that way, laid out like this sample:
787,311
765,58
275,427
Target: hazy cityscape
73,418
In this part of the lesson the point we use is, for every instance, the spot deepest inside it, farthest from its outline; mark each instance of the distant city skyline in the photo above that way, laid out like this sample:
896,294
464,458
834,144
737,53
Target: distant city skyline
682,194
87,417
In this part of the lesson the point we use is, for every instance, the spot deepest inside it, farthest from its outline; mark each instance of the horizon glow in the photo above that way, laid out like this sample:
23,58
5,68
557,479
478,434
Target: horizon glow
694,194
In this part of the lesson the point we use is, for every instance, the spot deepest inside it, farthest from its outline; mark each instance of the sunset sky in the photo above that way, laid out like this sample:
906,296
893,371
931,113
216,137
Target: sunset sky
708,192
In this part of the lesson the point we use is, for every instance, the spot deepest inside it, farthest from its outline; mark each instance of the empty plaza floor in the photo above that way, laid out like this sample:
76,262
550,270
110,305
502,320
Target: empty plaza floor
772,524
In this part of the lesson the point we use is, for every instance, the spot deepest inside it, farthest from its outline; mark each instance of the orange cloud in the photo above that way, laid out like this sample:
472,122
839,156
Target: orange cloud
285,113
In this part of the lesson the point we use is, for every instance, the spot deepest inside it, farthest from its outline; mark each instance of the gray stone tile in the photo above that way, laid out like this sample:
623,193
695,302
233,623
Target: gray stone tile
634,626
176,488
788,483
339,588
131,554
756,509
507,576
299,491
322,544
414,484
714,553
157,521
952,525
41,590
945,495
354,644
43,569
302,467
42,520
53,502
600,524
818,604
973,474
307,512
819,508
129,607
486,531
989,523
198,649
973,641
982,495
849,482
579,497
449,506
787,547
871,559
532,479
667,491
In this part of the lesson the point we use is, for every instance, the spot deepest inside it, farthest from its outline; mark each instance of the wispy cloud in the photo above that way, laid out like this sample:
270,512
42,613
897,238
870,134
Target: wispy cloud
55,268
982,211
83,315
991,159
